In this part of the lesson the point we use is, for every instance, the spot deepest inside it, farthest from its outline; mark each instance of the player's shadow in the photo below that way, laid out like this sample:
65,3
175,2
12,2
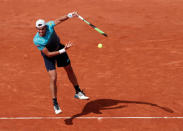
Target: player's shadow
96,106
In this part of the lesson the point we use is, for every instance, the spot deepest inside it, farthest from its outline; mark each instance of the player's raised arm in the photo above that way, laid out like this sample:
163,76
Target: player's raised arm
65,17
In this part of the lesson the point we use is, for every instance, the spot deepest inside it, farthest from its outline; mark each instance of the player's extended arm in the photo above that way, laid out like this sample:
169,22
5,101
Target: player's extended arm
64,18
55,53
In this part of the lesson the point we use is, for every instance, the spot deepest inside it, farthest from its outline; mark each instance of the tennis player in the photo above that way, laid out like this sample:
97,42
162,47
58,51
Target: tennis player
54,53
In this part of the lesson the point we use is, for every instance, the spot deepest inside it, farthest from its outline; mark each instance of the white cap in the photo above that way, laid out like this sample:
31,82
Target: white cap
40,23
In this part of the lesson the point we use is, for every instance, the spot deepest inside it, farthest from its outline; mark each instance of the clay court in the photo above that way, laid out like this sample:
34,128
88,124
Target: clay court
135,81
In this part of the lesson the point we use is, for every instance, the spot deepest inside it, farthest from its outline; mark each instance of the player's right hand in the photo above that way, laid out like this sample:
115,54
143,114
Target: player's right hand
74,14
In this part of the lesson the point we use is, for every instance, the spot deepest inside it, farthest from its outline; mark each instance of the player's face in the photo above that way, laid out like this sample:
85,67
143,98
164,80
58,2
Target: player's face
42,31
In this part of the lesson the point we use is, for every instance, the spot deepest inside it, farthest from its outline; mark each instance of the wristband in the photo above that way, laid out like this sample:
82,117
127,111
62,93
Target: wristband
70,15
62,50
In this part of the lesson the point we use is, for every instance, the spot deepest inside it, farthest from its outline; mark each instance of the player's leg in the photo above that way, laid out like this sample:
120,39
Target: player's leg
64,61
53,83
50,67
53,87
72,77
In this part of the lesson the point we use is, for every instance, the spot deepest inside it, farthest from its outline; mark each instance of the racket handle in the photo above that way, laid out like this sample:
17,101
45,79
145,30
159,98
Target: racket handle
80,17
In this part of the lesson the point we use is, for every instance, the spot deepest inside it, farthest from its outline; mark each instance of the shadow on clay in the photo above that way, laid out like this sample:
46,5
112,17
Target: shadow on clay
96,106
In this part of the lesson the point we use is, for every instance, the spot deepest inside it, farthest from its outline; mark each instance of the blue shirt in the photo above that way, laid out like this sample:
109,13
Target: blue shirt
50,40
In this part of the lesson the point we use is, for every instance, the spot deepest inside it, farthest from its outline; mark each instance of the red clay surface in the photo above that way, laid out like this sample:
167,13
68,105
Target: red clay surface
139,69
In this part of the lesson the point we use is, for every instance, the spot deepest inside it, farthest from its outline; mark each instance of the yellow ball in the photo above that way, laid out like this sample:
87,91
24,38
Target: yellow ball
99,45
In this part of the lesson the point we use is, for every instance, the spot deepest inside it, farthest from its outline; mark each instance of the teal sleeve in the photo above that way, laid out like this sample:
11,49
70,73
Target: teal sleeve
51,24
38,45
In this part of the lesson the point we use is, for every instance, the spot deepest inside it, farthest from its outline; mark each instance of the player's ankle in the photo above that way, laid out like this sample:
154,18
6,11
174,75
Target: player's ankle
55,101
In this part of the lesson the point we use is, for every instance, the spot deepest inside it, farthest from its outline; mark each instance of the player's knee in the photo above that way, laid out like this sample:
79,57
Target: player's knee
53,78
68,68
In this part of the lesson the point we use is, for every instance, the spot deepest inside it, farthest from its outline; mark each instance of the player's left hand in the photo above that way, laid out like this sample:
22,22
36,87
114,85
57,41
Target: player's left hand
68,45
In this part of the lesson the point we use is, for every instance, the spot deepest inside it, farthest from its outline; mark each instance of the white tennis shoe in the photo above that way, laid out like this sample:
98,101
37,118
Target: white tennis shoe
57,109
81,96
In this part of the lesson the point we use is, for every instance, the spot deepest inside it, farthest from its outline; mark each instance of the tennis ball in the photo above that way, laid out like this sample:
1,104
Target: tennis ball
99,45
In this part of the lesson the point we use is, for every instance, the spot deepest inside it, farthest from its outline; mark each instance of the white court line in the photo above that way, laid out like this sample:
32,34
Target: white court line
99,118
